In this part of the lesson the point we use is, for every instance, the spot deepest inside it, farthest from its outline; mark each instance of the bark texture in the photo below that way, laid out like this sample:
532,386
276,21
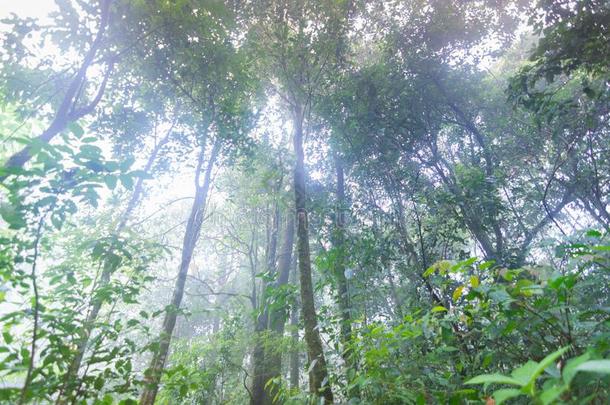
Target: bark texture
260,370
191,236
318,376
294,324
342,294
268,361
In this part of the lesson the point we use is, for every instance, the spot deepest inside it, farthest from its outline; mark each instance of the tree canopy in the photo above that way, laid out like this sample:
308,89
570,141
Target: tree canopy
305,202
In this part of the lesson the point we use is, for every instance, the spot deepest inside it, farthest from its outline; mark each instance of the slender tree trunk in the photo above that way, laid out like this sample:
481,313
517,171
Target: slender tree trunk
318,376
268,362
279,315
191,235
342,297
71,375
294,323
260,371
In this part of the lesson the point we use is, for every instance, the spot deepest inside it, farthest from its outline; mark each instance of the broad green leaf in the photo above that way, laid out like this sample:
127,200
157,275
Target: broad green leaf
549,395
8,338
464,263
493,379
595,366
487,264
569,371
76,129
442,266
547,361
430,271
12,216
527,288
110,182
506,393
474,281
531,370
127,181
524,373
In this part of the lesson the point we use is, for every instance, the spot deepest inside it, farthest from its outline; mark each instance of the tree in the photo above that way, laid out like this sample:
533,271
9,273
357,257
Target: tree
300,58
420,188
72,106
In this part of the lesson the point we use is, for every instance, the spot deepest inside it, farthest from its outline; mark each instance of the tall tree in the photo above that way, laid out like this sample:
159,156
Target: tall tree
191,236
108,267
301,41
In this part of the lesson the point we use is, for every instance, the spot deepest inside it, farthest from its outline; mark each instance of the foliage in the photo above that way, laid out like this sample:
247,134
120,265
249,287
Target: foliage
448,175
496,319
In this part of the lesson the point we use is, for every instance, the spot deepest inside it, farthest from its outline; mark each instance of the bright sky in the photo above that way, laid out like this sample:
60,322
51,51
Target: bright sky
26,8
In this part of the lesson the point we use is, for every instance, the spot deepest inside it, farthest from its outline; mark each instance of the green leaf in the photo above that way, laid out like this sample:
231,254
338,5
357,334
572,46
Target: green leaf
430,271
110,182
549,395
12,216
527,288
493,379
464,263
127,181
569,371
457,293
76,129
8,338
474,281
592,233
438,308
506,393
443,266
528,373
547,361
524,373
595,366
487,264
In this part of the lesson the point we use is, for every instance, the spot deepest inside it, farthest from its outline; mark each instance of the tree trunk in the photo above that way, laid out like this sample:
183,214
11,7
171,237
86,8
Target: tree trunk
318,376
267,360
260,371
342,296
294,323
278,316
191,235
70,379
